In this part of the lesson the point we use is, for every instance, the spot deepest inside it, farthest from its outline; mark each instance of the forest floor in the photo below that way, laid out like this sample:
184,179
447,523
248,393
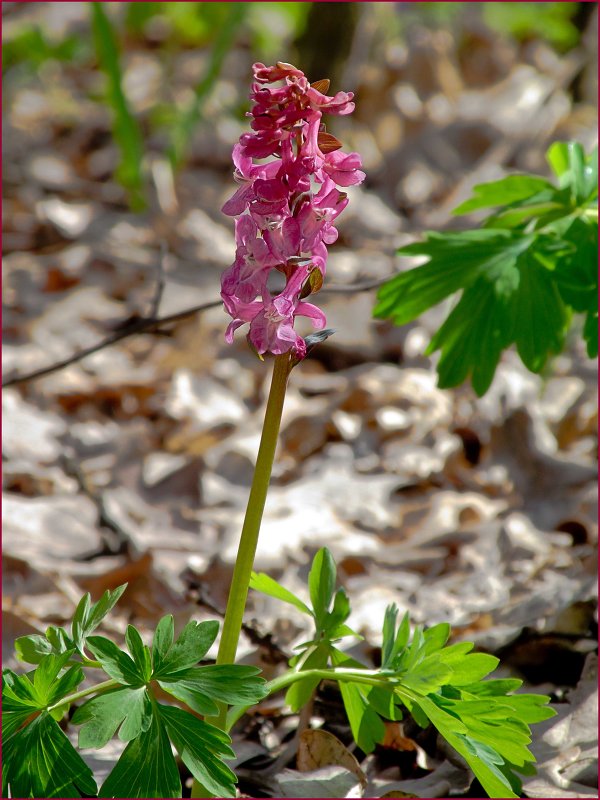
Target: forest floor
133,464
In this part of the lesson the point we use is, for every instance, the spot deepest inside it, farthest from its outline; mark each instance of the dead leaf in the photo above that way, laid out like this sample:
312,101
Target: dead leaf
319,748
329,781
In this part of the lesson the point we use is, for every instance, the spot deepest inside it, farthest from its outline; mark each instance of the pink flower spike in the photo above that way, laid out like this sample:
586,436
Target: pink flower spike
285,208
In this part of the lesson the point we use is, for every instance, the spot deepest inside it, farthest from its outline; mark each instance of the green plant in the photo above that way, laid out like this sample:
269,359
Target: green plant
523,273
125,126
441,685
39,759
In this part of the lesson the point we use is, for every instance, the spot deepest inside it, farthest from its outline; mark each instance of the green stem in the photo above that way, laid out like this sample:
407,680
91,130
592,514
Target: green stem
370,677
97,689
240,581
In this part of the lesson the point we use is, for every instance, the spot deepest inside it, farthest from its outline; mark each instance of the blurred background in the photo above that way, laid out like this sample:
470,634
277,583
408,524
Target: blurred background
134,463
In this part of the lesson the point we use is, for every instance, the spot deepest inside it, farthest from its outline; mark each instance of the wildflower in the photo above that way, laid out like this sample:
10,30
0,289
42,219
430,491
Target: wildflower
286,207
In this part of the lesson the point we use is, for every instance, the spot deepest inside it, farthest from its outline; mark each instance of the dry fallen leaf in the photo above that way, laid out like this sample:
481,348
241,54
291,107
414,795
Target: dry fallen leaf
319,748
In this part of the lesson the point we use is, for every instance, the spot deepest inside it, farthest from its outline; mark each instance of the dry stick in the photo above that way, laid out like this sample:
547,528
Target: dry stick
151,322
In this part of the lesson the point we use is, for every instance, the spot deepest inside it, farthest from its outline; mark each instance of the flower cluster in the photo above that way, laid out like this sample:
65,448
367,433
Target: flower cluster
285,207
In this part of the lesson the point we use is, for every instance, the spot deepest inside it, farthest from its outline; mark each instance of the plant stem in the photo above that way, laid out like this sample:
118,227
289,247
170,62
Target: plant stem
98,688
240,581
370,677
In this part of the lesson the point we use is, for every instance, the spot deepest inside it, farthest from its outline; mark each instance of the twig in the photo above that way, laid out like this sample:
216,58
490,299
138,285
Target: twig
148,323
160,285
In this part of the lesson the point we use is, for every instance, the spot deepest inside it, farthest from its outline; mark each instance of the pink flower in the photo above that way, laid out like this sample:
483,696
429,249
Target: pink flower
272,329
246,278
285,208
344,168
245,174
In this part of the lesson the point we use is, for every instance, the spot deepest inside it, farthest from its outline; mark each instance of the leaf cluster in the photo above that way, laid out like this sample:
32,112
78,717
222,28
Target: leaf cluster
439,684
39,759
521,275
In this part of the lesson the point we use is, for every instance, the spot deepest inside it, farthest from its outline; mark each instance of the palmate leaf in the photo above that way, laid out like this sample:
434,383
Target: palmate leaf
514,299
100,717
199,687
192,645
202,748
34,647
519,276
38,759
86,619
147,767
456,260
509,190
445,685
89,615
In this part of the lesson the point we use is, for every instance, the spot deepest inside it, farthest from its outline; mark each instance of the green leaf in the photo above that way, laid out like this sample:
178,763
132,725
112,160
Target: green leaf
114,662
590,333
506,191
139,652
191,646
88,616
34,647
340,611
428,675
540,316
366,724
454,731
202,748
576,270
473,337
126,130
558,158
146,767
44,677
101,716
263,583
162,641
435,638
455,262
321,583
40,761
472,667
334,626
233,684
574,170
393,642
519,273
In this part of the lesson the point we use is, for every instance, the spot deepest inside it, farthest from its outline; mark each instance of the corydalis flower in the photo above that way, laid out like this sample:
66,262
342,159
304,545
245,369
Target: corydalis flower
286,207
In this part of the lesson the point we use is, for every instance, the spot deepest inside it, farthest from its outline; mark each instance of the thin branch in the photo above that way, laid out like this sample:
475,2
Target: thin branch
160,284
151,322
